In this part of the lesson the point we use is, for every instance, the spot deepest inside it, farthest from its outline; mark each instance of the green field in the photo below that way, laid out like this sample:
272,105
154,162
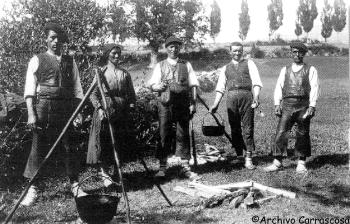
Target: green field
323,193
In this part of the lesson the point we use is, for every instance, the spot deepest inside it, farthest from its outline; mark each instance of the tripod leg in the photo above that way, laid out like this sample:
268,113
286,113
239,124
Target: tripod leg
158,186
193,143
115,154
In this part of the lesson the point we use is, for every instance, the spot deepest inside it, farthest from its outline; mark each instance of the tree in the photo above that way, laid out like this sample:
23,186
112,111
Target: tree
275,16
339,15
156,20
244,20
22,32
118,22
215,20
326,19
298,30
307,12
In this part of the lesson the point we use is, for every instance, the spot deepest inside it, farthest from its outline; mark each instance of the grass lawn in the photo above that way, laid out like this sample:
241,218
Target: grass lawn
323,193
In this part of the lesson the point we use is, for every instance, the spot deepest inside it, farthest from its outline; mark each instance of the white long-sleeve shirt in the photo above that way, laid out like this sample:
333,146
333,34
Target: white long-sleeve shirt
313,79
253,73
157,74
31,87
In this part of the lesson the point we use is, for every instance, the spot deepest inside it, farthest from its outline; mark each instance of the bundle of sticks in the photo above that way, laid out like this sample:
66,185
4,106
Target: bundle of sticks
240,194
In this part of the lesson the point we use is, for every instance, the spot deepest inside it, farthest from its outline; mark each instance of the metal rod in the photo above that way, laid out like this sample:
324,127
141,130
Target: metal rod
193,142
157,185
9,216
111,131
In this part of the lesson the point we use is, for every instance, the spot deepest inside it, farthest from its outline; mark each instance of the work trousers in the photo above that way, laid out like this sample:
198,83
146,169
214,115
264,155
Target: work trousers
241,119
293,110
52,116
174,126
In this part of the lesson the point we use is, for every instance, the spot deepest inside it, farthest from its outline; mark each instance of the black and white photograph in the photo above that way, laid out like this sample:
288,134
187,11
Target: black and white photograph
174,111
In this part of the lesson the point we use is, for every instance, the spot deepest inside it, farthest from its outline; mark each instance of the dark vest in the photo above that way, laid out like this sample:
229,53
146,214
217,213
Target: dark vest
238,76
176,76
55,79
296,84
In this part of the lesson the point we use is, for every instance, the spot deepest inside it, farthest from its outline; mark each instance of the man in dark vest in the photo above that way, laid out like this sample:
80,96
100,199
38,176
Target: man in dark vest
52,92
242,80
295,99
175,82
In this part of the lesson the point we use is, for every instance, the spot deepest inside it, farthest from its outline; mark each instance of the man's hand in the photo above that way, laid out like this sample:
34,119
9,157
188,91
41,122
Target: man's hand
31,123
310,112
159,87
255,103
192,110
213,109
101,114
78,121
278,110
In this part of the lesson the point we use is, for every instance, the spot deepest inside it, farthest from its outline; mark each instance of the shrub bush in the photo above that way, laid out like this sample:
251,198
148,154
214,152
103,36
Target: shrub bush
256,52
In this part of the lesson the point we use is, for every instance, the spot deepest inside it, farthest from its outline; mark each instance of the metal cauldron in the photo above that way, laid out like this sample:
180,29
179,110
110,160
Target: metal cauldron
213,130
96,208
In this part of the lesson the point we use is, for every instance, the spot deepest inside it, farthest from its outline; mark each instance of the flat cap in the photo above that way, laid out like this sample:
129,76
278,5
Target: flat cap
299,45
58,29
172,39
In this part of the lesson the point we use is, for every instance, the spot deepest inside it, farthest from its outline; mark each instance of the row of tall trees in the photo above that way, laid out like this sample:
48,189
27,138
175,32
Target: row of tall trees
332,18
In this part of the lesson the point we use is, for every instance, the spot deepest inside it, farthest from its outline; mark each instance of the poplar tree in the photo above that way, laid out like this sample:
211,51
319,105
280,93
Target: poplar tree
244,20
275,16
215,20
326,19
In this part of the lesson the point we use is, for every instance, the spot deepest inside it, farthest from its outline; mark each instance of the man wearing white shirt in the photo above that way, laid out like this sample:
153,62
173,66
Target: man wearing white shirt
175,82
295,99
242,80
52,92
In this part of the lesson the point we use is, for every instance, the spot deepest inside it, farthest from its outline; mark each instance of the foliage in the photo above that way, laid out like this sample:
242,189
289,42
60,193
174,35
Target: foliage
275,15
298,30
326,19
244,20
307,13
256,52
118,22
339,15
157,20
215,20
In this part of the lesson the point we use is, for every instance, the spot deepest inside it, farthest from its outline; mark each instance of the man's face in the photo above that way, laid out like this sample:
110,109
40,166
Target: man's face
236,52
173,50
297,55
114,56
53,42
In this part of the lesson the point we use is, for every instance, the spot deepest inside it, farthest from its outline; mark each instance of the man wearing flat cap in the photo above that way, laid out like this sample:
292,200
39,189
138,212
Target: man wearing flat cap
295,99
175,82
52,92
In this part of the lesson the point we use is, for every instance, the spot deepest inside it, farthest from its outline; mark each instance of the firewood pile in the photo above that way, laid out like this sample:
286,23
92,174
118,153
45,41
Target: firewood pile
241,194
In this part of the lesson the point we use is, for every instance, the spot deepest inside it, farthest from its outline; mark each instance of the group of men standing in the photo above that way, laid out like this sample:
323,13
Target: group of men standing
53,89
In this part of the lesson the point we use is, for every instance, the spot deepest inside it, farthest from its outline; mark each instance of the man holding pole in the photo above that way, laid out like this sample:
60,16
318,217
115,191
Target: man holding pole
52,92
295,99
175,82
242,80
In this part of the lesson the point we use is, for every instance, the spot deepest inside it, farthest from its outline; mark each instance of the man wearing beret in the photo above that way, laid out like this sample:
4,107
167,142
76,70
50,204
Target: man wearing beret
175,82
52,92
295,99
242,80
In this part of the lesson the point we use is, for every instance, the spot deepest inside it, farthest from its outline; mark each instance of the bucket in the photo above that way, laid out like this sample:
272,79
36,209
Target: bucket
213,130
96,208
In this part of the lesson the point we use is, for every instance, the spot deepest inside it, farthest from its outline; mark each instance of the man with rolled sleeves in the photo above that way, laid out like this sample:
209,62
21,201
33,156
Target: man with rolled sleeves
52,92
295,99
242,80
175,82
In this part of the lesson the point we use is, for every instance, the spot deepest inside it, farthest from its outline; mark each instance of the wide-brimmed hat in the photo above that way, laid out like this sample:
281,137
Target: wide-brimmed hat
58,29
299,45
172,39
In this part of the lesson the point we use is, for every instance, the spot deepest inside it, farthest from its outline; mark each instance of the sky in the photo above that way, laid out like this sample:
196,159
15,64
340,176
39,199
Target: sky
259,26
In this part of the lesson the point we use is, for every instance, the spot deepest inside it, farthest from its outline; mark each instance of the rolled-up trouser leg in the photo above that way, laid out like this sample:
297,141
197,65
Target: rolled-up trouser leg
165,131
183,140
284,126
303,143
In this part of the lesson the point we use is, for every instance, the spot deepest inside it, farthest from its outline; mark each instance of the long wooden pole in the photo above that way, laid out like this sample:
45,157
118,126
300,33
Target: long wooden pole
77,110
349,76
114,148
